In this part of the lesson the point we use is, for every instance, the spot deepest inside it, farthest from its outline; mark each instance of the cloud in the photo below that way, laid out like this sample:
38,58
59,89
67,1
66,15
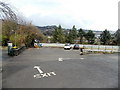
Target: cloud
90,14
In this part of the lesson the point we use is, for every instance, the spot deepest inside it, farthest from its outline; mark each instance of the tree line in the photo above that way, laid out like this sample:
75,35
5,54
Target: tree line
82,37
20,32
16,29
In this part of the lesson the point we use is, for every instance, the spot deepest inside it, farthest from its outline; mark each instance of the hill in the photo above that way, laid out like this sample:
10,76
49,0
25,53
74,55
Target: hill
47,30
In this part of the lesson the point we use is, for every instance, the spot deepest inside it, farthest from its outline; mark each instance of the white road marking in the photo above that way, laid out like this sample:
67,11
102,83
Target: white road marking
48,74
38,68
53,73
44,75
60,59
41,74
37,76
34,76
81,58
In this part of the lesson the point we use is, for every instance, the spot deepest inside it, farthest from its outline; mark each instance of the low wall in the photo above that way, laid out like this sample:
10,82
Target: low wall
103,48
52,45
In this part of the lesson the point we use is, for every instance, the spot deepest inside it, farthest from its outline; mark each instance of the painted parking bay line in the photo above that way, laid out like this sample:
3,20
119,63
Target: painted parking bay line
61,59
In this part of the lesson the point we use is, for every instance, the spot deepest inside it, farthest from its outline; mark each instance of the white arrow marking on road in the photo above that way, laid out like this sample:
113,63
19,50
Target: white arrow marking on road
38,68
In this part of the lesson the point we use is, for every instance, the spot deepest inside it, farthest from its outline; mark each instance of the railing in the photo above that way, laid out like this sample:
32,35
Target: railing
101,48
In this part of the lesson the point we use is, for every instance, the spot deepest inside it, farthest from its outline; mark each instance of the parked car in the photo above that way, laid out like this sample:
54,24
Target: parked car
67,47
76,46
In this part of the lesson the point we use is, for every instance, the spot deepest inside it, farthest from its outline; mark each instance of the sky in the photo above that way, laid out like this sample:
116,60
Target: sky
86,14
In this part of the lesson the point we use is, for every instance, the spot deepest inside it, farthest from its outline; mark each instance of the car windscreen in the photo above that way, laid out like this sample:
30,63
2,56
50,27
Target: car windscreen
67,45
77,45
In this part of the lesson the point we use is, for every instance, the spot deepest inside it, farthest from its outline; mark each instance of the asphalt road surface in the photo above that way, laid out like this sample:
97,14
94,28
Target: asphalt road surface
59,68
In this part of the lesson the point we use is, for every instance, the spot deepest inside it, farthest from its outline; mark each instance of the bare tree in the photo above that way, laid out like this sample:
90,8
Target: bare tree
9,20
16,29
6,12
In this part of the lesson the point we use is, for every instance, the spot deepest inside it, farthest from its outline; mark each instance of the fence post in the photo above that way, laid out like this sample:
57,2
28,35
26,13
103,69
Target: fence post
98,48
112,50
91,48
105,49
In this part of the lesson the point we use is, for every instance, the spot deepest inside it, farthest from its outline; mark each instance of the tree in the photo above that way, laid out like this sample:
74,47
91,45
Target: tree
90,36
9,19
58,35
61,35
74,32
29,34
105,37
72,35
16,29
66,37
117,37
81,34
7,12
55,35
8,27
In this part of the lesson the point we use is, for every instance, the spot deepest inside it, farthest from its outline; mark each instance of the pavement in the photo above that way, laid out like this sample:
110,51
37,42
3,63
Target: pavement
59,68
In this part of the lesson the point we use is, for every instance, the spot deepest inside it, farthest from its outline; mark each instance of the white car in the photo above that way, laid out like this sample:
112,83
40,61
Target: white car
67,47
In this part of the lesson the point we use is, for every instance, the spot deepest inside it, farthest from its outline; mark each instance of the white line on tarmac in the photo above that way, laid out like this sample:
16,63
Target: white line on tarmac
81,58
38,68
60,59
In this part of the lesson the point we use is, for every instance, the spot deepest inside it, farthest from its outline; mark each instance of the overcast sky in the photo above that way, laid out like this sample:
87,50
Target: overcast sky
87,14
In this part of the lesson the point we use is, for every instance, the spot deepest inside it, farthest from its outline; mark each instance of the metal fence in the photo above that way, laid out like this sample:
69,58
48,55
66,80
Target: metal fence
102,48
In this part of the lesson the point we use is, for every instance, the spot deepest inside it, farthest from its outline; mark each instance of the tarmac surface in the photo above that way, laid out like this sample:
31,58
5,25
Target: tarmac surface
59,68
